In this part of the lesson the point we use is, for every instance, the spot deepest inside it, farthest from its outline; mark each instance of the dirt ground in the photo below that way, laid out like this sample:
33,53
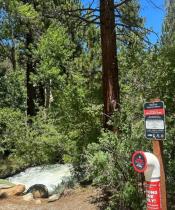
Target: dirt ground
77,199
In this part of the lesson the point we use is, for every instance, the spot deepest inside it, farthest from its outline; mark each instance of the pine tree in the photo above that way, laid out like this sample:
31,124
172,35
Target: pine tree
168,37
109,15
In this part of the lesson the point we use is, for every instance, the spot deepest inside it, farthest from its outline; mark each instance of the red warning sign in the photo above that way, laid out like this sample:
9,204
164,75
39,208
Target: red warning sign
153,195
148,112
139,161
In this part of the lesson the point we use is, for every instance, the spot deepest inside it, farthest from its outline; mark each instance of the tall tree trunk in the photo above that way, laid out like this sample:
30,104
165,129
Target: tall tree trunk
41,95
48,94
109,60
30,68
13,57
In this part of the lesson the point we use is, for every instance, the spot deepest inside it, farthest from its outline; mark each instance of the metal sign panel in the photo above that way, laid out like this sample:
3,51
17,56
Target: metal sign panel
154,113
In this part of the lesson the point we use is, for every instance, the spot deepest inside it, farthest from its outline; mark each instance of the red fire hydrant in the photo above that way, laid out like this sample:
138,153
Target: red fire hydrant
147,163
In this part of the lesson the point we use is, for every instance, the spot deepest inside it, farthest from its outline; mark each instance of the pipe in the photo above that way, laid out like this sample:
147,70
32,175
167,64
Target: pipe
152,171
148,163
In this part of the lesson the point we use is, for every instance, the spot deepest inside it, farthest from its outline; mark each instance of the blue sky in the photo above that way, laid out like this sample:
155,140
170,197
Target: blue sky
153,11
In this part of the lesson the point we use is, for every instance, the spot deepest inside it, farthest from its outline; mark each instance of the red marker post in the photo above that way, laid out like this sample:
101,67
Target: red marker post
154,114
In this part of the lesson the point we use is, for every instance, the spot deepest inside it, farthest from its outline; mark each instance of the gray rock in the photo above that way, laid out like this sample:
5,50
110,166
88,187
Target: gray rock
66,183
28,197
54,197
38,191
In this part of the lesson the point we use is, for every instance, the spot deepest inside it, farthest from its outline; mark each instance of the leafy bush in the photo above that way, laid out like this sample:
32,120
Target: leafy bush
12,90
108,164
33,144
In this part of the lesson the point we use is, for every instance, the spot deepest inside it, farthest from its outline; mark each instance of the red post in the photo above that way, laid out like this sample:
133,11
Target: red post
158,151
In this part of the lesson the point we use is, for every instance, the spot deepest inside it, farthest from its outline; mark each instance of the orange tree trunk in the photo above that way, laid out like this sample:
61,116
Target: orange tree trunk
109,60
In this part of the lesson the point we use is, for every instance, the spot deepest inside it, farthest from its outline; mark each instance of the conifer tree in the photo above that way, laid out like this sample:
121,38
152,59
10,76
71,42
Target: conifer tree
168,37
108,15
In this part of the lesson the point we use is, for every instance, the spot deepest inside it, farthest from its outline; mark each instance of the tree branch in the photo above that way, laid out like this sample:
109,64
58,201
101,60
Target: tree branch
155,5
121,3
137,27
83,9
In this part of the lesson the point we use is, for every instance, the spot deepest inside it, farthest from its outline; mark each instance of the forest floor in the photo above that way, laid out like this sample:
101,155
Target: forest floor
78,199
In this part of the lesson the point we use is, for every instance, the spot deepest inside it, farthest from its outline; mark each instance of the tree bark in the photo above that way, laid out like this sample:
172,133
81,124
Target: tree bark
41,95
47,96
13,57
109,60
30,68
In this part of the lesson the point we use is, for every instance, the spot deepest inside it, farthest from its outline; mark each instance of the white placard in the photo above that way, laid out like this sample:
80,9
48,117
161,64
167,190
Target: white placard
154,124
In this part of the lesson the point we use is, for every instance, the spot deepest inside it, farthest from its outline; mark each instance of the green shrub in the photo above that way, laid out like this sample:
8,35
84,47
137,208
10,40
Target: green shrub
108,164
38,143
